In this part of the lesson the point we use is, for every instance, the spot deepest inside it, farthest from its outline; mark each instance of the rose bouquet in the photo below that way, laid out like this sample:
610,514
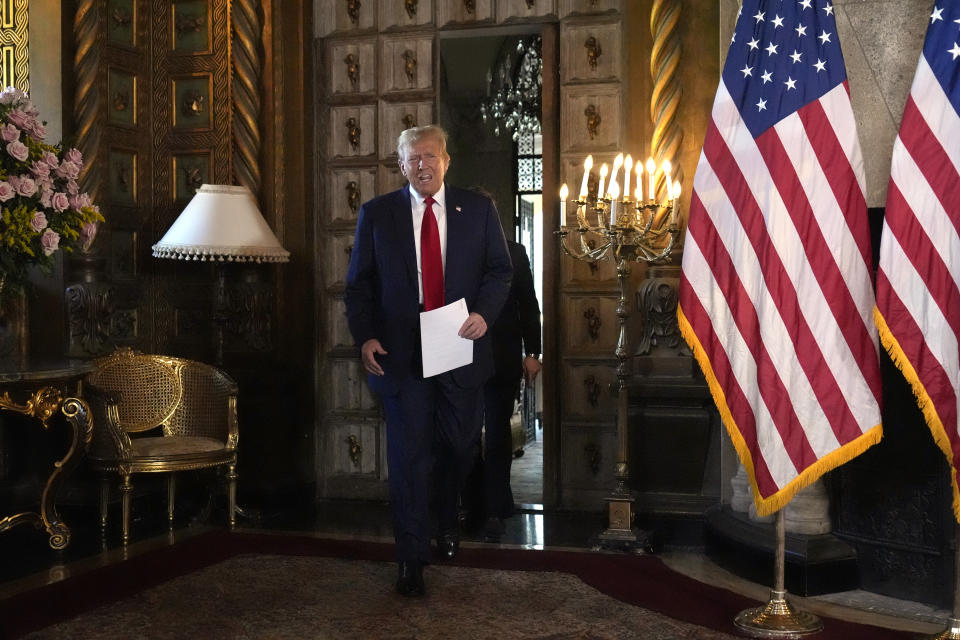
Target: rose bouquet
42,209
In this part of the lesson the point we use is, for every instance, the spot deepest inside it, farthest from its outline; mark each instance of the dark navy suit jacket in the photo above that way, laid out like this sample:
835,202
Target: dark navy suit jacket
382,296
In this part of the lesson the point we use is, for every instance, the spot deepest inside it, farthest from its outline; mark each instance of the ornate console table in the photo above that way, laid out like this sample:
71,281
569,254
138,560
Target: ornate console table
41,390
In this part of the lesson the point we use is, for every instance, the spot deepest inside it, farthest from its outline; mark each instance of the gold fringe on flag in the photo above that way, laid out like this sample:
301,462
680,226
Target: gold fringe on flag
926,404
775,502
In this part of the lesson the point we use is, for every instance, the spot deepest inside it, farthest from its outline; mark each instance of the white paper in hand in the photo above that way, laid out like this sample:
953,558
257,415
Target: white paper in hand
442,348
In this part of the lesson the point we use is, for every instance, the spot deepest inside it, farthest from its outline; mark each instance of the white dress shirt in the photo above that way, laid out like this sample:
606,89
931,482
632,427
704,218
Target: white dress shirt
417,206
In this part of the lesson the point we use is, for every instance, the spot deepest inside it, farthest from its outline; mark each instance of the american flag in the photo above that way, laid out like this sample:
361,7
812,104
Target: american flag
918,298
776,294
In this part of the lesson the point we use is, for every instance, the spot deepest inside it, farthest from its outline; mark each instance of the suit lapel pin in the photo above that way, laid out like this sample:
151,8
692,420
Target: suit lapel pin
458,209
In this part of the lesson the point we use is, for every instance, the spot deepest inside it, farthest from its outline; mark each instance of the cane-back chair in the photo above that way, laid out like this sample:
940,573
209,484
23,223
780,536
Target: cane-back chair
160,414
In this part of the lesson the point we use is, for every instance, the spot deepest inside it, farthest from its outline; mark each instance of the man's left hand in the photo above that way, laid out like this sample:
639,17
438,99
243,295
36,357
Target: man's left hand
474,327
531,367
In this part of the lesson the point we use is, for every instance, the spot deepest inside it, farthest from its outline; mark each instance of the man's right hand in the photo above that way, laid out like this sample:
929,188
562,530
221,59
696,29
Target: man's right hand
368,352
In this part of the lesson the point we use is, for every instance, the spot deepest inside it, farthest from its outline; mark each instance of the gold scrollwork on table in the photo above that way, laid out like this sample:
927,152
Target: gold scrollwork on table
594,51
42,405
356,450
353,132
593,323
411,8
593,120
410,65
353,70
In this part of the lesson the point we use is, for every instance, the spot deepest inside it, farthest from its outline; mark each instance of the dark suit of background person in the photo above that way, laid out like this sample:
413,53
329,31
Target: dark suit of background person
433,424
516,350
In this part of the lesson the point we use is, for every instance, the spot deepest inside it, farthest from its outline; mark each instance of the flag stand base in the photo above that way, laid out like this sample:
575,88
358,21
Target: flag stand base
952,632
777,619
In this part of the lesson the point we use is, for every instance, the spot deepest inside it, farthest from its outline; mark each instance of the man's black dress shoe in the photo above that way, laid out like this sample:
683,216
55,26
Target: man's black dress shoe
447,545
410,579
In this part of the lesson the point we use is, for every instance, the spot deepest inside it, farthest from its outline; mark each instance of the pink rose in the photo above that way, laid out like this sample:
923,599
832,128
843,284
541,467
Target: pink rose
79,201
18,150
19,118
38,130
50,241
51,159
69,170
39,221
26,186
6,191
9,133
46,195
39,168
60,201
74,155
87,233
72,187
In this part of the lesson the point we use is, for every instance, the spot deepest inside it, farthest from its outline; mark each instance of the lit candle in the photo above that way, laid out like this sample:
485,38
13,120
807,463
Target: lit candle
627,167
617,163
563,205
587,165
651,170
676,199
603,176
667,168
614,196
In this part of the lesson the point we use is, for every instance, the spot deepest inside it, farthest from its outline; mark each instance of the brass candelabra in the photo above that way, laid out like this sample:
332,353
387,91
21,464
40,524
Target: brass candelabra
625,229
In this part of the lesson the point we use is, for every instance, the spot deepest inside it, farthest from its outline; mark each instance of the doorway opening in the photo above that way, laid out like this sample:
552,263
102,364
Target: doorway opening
474,65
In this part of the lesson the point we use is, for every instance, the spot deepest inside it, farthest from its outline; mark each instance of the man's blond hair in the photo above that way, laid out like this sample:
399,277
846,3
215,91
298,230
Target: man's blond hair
413,135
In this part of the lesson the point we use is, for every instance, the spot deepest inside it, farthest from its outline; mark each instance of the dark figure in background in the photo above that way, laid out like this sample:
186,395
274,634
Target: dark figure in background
405,241
516,355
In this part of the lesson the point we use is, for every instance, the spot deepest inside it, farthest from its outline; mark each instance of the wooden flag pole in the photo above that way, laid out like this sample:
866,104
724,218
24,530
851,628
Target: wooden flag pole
777,619
952,632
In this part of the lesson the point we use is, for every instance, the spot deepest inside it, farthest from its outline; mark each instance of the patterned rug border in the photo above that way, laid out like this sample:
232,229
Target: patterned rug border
639,580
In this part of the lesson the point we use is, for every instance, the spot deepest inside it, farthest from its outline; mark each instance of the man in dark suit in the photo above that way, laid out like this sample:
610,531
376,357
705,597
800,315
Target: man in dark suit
417,249
516,353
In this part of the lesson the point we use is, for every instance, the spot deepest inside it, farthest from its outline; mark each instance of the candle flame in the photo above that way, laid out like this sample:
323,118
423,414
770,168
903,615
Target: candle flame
564,191
588,163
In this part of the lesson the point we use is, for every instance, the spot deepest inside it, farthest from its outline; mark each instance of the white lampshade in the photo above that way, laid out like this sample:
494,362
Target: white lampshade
221,223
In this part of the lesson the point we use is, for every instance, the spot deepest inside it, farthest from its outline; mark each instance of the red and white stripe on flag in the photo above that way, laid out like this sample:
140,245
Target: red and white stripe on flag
776,293
918,296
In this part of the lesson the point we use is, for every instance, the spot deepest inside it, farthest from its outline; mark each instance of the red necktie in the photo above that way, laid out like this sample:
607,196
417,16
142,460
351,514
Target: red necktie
431,264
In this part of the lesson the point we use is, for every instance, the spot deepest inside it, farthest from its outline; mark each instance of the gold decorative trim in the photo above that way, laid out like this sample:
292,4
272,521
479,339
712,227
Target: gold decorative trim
665,98
247,61
15,43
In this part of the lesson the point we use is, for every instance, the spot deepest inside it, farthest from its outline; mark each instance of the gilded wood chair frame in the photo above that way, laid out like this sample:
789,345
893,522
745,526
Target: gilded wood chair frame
191,404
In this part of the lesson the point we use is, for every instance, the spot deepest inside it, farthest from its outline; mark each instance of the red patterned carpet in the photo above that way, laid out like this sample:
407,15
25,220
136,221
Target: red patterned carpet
241,585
